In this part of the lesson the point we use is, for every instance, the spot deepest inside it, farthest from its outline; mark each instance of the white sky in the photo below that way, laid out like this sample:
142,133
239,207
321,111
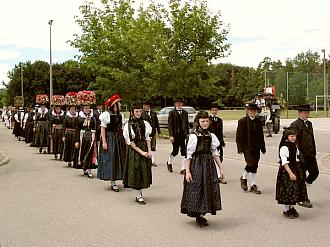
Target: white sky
279,29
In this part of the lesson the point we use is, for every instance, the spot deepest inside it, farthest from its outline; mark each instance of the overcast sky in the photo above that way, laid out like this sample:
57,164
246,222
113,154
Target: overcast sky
258,28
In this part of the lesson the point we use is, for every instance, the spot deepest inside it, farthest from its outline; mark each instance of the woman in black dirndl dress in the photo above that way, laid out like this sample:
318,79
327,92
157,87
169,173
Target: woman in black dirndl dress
28,125
56,128
290,184
112,145
87,154
137,173
71,137
42,129
201,192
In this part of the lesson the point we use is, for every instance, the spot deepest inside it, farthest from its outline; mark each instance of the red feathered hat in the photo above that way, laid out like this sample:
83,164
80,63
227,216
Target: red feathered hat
113,100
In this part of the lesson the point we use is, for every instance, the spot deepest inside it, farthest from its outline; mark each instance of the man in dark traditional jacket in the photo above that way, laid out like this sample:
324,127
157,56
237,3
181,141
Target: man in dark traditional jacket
216,127
178,129
151,117
306,145
250,141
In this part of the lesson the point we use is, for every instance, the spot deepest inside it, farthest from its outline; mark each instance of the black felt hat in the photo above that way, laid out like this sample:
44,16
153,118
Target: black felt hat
305,107
252,106
201,114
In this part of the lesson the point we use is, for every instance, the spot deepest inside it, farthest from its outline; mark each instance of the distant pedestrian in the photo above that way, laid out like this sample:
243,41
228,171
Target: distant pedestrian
151,117
250,141
290,185
216,127
306,144
268,120
201,193
178,129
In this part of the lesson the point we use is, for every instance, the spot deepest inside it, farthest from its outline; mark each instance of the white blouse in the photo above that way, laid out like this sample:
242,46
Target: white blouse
126,133
284,154
105,118
26,116
17,114
192,144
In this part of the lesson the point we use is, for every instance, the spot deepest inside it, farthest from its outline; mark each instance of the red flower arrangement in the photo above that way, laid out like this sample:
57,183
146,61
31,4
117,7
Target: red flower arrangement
58,100
42,99
86,97
71,98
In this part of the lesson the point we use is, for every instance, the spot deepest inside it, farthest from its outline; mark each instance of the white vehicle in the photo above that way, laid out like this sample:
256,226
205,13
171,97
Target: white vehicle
163,115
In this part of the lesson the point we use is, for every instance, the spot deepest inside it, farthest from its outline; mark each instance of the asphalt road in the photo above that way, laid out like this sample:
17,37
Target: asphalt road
44,203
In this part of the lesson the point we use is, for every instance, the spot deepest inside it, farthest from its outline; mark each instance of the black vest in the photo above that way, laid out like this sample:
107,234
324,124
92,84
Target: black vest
204,142
116,123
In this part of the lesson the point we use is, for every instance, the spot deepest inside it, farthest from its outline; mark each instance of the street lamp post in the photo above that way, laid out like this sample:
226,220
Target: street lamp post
324,82
50,22
22,88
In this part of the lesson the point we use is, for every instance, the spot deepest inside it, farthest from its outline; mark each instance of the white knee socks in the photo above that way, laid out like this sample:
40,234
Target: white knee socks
170,158
253,178
245,174
153,156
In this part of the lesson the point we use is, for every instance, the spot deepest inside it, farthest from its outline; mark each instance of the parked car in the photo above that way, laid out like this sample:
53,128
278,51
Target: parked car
163,115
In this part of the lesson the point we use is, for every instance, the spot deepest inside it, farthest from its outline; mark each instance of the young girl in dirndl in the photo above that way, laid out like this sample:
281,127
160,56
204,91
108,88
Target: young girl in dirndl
290,184
112,145
201,192
137,173
56,130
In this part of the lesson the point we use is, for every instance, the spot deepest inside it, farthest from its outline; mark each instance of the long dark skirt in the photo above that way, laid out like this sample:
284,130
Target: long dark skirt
70,152
290,192
29,133
17,131
87,156
111,162
41,135
137,174
202,195
56,142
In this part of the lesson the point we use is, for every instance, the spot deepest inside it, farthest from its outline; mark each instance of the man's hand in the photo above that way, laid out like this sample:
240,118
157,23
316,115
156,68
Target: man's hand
172,138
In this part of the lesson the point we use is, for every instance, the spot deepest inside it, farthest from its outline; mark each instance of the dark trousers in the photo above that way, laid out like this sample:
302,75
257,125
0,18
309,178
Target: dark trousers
153,142
252,158
179,143
310,165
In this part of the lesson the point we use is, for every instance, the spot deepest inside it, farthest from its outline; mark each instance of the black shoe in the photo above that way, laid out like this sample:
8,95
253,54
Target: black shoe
244,184
40,150
69,164
204,221
183,172
254,189
85,173
90,175
140,200
114,188
294,212
288,214
305,204
169,167
56,156
199,221
222,181
269,136
45,152
154,164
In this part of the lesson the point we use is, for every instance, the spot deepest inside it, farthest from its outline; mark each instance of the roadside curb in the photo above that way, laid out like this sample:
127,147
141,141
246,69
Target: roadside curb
4,159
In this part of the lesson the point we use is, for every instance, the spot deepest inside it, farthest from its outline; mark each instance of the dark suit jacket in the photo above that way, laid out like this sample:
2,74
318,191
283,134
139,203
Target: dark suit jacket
152,120
216,127
248,138
96,114
178,124
305,137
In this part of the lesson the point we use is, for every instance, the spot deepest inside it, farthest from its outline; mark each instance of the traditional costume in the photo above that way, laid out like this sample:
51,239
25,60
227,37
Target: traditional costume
289,192
28,125
112,159
137,173
201,195
250,141
87,138
42,132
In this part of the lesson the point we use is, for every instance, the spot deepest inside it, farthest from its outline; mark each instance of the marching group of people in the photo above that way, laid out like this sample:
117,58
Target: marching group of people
126,149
